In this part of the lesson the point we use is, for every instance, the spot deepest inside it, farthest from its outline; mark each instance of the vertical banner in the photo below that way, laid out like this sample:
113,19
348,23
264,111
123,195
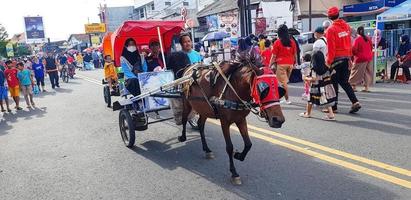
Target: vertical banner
260,25
34,29
9,50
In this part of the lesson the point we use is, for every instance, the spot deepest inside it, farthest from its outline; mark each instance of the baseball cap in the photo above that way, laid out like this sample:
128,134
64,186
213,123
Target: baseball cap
319,30
333,11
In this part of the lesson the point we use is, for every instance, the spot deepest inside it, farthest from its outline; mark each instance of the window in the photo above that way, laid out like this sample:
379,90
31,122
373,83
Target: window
185,3
141,13
152,7
168,3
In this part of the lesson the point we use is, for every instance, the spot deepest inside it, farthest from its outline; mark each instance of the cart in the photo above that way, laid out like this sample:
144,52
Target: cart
156,87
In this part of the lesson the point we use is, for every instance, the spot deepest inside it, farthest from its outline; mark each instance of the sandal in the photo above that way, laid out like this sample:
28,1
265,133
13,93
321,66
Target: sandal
328,118
304,115
3,110
365,91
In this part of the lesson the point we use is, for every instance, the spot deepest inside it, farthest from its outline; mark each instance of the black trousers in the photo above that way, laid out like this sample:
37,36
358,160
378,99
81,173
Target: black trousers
40,81
341,78
133,86
405,69
54,79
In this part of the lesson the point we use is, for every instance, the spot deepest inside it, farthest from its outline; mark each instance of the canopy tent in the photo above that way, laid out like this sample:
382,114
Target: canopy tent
107,46
398,13
143,32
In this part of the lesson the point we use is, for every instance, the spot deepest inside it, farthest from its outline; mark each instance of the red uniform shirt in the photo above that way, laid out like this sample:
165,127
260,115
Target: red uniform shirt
338,40
284,55
11,77
266,54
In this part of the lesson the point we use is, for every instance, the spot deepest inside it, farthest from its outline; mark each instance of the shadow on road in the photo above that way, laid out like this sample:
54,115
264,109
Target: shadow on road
6,124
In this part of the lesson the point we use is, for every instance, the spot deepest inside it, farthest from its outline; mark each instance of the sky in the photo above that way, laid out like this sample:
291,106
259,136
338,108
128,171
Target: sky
60,17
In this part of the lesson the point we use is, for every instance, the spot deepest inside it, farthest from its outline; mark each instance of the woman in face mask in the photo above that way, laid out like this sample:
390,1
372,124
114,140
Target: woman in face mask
131,66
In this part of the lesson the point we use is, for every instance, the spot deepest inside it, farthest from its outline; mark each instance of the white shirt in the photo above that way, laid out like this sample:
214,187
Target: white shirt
320,45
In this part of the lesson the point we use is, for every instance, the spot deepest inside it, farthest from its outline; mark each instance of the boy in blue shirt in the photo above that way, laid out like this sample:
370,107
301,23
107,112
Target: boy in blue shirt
39,70
26,82
3,92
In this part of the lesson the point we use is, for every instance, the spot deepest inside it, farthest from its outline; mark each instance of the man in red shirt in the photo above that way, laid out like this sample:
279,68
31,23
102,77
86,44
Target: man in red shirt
13,83
339,56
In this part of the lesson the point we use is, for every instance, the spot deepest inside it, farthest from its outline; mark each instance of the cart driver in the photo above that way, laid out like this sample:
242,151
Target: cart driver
131,66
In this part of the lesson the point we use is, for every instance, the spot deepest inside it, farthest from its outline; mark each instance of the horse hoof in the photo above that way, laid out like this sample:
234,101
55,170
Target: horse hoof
182,139
238,156
236,181
210,155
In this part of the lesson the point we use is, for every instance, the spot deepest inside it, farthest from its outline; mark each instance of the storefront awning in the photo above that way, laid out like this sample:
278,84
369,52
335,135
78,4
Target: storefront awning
398,13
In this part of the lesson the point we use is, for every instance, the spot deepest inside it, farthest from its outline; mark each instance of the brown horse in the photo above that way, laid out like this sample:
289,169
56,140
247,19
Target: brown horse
243,79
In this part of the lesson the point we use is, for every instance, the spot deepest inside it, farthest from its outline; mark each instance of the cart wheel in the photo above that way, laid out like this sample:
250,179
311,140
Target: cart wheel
107,95
127,129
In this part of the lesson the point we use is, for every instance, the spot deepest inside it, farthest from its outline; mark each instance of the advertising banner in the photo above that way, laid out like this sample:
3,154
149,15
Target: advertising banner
260,25
34,28
228,22
9,49
95,28
212,23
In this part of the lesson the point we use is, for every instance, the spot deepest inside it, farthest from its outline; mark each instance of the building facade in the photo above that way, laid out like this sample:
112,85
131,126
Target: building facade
115,16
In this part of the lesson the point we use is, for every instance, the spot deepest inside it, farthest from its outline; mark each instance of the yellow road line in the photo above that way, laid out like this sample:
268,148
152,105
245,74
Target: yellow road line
329,159
336,152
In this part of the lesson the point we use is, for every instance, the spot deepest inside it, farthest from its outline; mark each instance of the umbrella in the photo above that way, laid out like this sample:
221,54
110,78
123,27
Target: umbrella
215,36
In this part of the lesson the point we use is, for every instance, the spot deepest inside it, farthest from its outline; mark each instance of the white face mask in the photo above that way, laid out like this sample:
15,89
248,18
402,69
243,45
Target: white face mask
131,49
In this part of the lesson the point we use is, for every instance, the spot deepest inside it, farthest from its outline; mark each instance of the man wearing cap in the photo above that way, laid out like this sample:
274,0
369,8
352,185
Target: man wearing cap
321,43
339,54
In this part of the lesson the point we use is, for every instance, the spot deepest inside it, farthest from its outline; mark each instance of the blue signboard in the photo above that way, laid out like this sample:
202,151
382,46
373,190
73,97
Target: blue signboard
370,7
393,3
34,28
364,7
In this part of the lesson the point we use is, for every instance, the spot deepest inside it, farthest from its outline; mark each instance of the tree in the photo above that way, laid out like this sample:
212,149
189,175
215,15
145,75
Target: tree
22,50
3,41
3,33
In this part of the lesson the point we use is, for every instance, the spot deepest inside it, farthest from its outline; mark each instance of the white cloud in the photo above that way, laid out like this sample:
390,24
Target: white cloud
60,17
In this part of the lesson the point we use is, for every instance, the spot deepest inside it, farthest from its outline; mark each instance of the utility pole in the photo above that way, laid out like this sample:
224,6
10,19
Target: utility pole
309,15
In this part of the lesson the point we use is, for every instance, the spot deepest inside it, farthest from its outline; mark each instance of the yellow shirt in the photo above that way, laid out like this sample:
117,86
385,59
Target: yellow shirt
110,71
261,44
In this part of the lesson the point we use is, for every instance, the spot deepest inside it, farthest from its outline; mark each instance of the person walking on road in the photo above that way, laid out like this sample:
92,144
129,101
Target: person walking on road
13,83
3,92
26,82
362,71
39,72
339,56
51,69
284,54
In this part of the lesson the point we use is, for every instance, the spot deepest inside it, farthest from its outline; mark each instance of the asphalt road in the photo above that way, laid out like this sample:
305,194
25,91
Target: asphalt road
70,147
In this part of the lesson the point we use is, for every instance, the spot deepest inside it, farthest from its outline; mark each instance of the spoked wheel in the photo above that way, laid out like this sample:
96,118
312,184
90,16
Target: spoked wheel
107,95
127,128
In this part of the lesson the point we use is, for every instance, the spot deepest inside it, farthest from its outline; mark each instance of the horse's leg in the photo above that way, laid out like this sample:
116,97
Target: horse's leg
186,112
242,126
235,178
201,125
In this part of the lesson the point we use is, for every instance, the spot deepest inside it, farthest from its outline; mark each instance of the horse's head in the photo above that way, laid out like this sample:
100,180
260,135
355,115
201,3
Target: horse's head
266,93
